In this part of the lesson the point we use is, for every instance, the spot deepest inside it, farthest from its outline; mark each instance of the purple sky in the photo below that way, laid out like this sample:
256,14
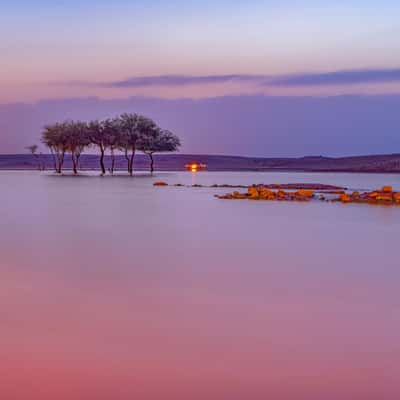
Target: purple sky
245,125
199,50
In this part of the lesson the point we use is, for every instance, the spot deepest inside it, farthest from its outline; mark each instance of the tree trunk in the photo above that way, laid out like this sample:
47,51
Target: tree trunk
58,165
127,159
54,159
74,164
61,162
103,168
131,161
112,161
151,162
78,156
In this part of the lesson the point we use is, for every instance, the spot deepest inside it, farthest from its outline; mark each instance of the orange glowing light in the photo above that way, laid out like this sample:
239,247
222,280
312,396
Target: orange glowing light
194,167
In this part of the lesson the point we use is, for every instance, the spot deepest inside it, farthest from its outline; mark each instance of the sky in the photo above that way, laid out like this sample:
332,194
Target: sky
197,49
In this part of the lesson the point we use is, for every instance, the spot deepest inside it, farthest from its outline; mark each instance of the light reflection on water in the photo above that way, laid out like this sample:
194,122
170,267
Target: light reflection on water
111,288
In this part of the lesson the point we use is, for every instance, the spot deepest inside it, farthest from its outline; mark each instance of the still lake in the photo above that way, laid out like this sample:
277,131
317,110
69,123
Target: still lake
111,288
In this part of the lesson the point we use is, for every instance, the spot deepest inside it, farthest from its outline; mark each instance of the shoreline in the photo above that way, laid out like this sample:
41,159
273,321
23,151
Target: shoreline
344,171
369,164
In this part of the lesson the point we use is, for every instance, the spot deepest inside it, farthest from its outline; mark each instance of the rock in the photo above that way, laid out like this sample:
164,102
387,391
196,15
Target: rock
388,198
281,194
345,198
237,195
305,193
265,192
252,190
252,193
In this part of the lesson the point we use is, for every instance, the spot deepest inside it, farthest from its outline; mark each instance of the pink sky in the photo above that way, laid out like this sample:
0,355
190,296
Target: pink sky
76,41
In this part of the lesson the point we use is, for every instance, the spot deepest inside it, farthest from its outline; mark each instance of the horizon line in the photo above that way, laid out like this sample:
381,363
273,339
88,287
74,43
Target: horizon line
173,154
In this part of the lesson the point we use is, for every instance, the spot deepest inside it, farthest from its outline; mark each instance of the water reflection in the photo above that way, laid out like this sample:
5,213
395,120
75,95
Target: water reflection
194,175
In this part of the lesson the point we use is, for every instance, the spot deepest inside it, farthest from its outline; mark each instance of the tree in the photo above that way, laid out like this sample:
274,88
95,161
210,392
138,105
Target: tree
129,133
157,141
113,138
33,150
83,141
55,137
78,138
98,136
48,138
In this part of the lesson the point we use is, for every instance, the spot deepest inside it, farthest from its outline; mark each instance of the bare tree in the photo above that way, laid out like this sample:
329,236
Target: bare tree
83,141
78,138
98,137
113,138
155,140
55,137
128,125
33,150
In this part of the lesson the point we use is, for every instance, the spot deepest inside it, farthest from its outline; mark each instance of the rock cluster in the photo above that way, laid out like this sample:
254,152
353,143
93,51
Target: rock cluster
264,193
384,196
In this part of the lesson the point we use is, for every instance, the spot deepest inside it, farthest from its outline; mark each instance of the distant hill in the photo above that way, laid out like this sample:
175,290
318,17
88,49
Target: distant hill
176,162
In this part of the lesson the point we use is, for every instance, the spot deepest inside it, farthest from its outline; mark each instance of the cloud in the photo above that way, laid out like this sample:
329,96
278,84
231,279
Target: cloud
169,80
345,77
349,77
182,80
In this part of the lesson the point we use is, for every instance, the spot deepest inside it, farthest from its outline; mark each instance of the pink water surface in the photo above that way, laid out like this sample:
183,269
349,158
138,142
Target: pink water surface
113,289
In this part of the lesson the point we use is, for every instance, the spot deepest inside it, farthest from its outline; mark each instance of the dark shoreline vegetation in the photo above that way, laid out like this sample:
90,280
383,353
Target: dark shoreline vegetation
387,163
126,133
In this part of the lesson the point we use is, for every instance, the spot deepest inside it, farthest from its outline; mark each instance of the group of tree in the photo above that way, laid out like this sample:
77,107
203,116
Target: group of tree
127,133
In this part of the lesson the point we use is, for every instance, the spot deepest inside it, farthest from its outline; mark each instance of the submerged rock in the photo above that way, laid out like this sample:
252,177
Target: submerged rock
383,196
261,192
387,189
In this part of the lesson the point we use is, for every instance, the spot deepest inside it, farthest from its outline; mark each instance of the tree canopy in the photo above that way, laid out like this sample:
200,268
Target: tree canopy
127,133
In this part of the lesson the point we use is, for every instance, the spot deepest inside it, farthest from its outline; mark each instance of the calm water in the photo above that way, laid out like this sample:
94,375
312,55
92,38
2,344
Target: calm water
113,289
